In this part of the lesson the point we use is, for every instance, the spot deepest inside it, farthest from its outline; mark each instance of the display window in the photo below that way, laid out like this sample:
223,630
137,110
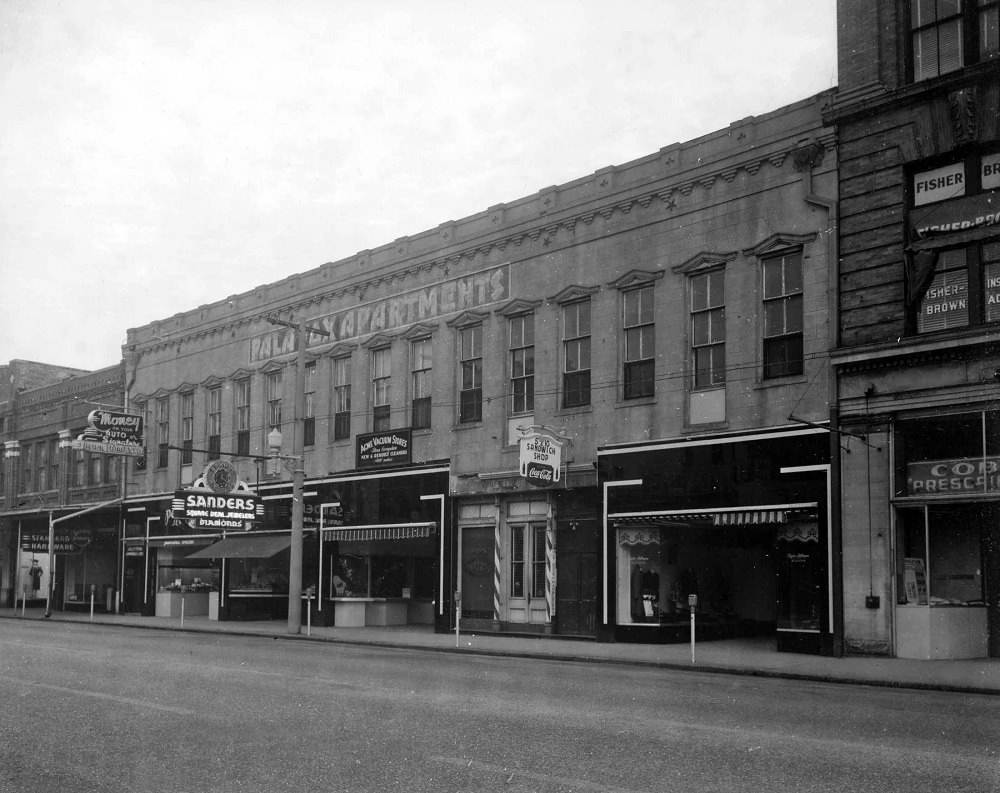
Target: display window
383,569
260,576
939,554
175,573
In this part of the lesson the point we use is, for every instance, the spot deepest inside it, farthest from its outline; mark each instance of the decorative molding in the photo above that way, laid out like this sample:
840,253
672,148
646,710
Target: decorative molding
377,342
467,319
635,278
779,241
573,293
517,306
706,260
341,350
421,330
964,106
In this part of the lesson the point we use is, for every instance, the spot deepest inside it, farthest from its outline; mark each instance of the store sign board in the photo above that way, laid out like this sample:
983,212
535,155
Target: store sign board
541,456
939,184
990,172
974,212
392,447
109,432
420,305
945,477
64,541
211,510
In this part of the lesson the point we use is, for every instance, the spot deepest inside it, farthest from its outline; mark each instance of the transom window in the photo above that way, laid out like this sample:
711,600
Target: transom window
708,329
783,349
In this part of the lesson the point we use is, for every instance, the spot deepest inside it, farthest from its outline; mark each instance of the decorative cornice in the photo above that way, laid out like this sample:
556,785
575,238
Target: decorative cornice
706,260
518,306
378,341
573,293
467,319
421,330
777,242
635,278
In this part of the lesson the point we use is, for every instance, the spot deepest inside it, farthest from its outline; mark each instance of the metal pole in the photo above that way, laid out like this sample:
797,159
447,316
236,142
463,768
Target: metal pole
298,477
52,565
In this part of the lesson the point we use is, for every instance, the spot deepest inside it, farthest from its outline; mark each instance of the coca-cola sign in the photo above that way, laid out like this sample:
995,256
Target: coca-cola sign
541,455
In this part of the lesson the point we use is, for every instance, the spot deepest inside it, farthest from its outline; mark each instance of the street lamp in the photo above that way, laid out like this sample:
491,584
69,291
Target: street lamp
298,469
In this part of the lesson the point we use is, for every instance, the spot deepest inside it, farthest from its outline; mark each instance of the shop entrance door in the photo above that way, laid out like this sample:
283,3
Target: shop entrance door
477,572
576,593
526,586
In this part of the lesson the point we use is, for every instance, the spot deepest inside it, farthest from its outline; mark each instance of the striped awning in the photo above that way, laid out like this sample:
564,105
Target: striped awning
750,517
393,531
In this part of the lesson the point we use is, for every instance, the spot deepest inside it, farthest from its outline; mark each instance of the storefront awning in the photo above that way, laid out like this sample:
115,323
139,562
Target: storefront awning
750,517
244,547
394,531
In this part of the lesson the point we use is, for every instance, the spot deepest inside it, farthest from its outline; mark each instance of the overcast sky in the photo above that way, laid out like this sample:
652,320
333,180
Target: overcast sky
159,155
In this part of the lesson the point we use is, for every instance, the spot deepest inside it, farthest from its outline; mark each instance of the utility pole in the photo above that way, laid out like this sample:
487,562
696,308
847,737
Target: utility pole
298,471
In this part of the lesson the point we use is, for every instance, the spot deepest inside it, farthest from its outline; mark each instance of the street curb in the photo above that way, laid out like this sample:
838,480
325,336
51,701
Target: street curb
744,671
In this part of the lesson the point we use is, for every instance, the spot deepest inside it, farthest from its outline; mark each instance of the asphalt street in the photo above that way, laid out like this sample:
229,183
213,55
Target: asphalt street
103,708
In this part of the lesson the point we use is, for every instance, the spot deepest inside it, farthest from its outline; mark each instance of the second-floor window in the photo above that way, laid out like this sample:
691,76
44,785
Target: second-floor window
708,329
946,35
783,351
54,464
576,354
309,425
640,349
381,387
470,397
273,385
341,398
42,458
421,363
242,404
522,364
187,427
214,422
162,432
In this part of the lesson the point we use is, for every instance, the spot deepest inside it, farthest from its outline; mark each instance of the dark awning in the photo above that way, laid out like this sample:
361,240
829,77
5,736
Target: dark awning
395,531
244,546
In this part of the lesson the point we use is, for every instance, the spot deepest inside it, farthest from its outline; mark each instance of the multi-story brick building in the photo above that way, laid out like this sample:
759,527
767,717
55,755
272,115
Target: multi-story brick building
45,477
917,366
680,300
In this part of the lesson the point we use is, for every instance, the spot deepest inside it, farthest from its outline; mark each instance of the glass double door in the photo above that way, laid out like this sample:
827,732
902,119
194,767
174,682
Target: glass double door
526,581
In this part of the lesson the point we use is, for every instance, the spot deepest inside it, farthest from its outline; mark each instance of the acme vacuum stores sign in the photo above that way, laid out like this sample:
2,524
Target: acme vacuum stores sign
384,448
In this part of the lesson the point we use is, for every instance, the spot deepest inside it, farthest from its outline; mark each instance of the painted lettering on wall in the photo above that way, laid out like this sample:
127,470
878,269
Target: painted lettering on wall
446,297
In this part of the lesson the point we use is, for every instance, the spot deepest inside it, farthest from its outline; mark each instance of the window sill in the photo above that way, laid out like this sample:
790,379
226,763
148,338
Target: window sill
468,425
637,402
579,409
792,379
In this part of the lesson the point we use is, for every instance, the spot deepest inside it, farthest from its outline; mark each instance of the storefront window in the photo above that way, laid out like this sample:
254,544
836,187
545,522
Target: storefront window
800,579
948,455
648,590
939,554
259,576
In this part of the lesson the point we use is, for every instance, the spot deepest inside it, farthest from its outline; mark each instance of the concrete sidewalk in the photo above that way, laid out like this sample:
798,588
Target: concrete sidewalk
737,656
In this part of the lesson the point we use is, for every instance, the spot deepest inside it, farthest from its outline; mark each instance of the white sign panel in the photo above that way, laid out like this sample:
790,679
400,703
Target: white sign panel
990,173
939,184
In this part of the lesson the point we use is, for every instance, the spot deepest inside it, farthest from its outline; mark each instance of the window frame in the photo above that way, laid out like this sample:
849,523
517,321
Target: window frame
187,427
272,396
714,313
381,383
787,341
421,382
470,356
309,420
521,331
577,380
162,432
341,397
639,343
970,22
213,419
242,396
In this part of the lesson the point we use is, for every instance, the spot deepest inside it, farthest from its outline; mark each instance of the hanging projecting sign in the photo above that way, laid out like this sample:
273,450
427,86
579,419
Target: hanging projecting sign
541,455
391,447
218,500
113,433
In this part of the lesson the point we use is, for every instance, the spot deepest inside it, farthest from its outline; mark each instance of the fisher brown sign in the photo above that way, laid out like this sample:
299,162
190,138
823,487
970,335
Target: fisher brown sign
392,447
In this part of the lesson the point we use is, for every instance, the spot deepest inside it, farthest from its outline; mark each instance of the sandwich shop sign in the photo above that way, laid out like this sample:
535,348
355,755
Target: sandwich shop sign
541,455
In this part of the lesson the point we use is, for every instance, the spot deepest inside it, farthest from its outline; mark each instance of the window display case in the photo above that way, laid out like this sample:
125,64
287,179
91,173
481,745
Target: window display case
183,588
